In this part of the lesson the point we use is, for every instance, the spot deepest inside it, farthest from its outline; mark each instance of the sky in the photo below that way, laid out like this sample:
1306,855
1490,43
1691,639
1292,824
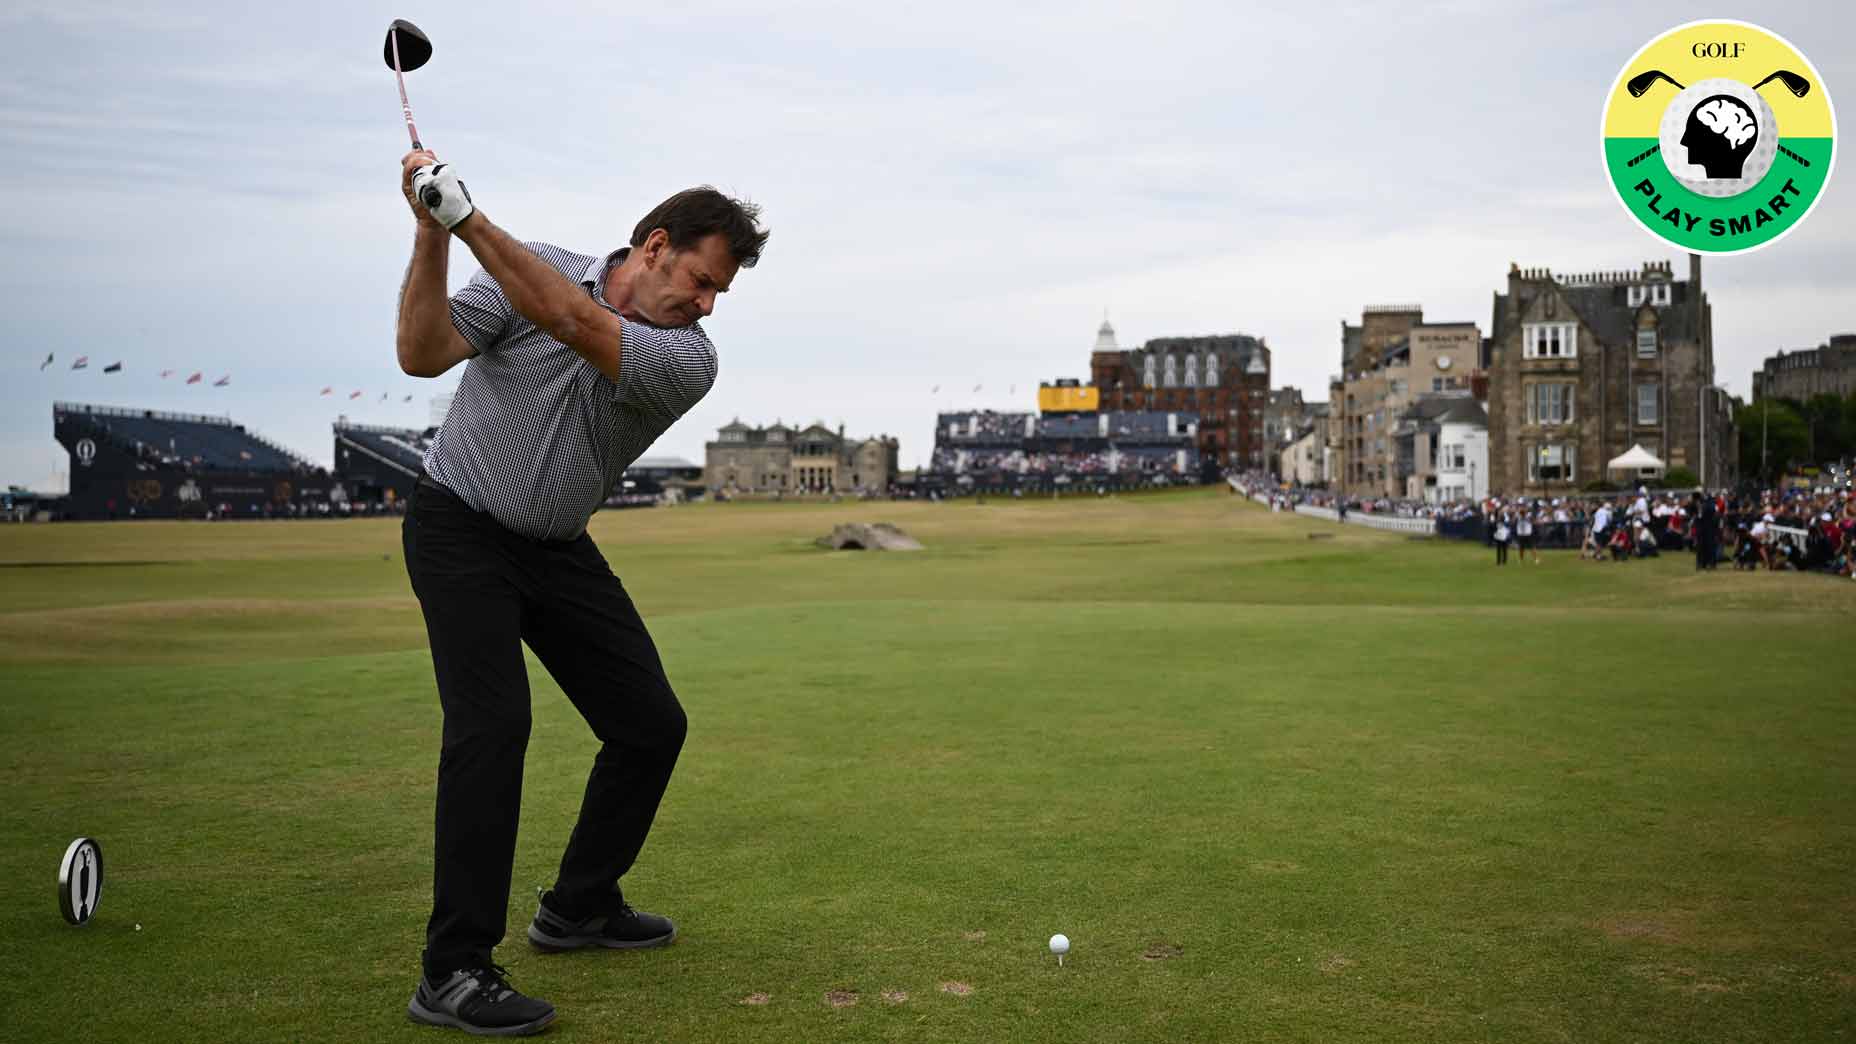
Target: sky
958,193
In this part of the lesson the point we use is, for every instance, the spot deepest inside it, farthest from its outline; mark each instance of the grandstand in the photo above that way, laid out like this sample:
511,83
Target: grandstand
377,463
184,440
983,450
130,463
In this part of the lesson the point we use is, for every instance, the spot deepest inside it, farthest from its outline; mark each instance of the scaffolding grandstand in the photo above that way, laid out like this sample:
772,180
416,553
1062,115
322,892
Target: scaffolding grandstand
985,451
137,463
378,463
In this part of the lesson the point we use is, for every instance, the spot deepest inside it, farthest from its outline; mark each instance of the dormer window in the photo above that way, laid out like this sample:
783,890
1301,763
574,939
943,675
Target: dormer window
1211,370
1172,372
1660,294
1634,296
1192,371
1147,372
1549,341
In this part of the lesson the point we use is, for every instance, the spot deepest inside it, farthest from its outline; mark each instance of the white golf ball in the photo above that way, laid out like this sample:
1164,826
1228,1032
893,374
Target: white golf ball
1060,944
138,927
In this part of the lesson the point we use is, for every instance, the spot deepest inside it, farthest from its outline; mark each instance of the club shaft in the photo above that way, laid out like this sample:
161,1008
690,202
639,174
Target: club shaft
405,106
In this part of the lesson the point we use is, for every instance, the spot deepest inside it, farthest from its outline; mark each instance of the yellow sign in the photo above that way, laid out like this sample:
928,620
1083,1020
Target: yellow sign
1056,398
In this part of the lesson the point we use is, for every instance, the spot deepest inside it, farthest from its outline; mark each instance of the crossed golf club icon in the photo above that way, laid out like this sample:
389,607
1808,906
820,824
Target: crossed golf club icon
1639,84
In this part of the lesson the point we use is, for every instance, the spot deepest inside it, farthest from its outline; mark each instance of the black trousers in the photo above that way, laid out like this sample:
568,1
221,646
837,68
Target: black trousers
484,591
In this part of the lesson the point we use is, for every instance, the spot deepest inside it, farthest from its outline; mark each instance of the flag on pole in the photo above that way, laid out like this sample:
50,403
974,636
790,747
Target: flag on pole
223,381
329,390
407,399
83,362
936,390
165,374
195,379
977,387
355,395
114,367
383,396
47,362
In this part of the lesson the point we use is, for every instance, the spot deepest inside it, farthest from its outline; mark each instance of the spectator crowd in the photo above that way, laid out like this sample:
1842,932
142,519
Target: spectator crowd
1805,530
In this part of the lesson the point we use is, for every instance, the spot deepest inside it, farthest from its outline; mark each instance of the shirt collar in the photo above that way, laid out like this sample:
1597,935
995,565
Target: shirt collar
594,278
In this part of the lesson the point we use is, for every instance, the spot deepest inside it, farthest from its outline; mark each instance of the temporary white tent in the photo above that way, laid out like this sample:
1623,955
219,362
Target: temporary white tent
1635,459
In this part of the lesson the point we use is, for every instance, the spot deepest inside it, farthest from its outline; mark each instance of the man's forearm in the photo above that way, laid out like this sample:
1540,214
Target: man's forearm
544,296
425,309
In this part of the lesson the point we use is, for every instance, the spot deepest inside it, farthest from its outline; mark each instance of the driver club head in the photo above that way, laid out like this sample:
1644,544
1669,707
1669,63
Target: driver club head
1798,85
415,46
1641,82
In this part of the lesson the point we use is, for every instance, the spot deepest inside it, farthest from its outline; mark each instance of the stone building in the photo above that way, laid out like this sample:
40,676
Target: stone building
1583,367
1286,418
1303,460
1462,463
1224,380
782,459
1388,361
1828,369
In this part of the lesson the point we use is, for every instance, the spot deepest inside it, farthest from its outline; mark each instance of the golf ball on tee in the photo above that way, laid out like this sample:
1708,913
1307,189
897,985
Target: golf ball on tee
1060,944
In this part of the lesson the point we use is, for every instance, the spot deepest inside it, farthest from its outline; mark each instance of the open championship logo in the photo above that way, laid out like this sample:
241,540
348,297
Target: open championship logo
1719,137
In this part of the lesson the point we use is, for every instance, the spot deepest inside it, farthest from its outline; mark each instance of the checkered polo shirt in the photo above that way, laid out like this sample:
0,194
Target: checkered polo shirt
537,437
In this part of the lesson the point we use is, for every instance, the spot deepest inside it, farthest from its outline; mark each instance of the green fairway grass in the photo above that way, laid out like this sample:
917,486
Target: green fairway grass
1277,780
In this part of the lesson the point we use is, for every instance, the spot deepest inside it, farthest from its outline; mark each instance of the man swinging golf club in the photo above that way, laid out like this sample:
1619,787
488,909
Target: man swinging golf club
574,365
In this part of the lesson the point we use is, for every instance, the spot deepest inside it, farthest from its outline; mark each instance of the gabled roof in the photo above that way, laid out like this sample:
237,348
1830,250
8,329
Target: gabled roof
1464,410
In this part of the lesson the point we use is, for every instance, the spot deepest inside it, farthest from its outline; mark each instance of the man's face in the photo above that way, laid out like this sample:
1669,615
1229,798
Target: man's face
678,287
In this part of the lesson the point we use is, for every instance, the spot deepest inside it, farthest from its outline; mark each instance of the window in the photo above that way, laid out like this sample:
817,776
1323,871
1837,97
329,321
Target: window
1549,341
1437,384
1172,373
1550,462
1211,370
1646,342
1458,459
1635,295
1549,403
1192,371
1147,372
1647,399
1398,386
1660,294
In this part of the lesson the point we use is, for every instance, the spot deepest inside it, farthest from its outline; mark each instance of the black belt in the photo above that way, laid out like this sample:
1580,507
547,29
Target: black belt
428,482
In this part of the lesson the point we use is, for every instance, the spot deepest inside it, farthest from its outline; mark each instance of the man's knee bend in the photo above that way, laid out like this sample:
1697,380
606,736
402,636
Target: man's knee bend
676,724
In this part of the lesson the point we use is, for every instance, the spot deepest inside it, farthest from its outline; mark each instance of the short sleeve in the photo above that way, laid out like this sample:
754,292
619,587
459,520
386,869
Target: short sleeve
480,311
665,371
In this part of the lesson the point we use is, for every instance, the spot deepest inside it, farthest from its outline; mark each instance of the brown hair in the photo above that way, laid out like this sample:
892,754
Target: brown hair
702,211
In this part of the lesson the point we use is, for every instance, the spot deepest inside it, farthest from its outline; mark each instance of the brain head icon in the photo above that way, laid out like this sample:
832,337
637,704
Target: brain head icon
1720,135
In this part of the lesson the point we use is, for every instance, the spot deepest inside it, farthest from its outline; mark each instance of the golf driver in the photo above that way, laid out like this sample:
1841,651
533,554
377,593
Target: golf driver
1636,86
409,48
1798,85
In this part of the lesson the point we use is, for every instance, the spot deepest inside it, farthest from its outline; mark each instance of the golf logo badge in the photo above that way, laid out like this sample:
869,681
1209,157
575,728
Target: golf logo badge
1719,137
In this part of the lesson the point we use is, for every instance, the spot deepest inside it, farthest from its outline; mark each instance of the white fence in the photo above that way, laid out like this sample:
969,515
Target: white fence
1392,523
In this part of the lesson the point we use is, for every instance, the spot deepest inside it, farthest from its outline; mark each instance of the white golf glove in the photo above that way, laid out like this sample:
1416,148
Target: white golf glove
438,188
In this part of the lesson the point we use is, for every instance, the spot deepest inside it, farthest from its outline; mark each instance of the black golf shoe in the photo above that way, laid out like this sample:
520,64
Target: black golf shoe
479,1001
615,925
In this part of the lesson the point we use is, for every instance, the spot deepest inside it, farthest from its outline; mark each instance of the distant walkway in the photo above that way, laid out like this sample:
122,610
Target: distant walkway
1391,523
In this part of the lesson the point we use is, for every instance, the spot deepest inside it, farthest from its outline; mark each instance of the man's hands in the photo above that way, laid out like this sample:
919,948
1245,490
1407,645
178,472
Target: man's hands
410,162
433,191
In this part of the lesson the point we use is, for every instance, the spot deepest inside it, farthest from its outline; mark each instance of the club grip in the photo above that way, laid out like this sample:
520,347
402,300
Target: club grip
431,197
